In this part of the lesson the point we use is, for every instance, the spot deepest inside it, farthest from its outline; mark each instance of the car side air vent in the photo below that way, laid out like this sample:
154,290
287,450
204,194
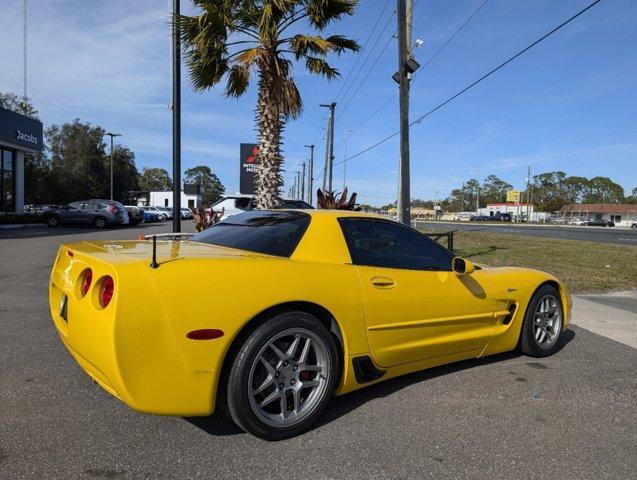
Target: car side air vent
507,319
365,370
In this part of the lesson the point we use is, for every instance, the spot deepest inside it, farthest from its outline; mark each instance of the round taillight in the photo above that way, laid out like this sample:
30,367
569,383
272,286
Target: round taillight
107,288
86,280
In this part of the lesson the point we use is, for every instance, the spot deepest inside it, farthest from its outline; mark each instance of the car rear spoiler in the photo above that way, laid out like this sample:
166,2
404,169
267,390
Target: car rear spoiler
164,236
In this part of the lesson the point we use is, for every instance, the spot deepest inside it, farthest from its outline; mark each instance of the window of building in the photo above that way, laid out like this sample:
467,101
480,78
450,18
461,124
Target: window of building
615,218
383,243
165,202
7,180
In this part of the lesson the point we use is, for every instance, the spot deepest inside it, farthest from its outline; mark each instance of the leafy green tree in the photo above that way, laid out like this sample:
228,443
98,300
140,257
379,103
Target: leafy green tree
494,190
576,188
80,164
77,154
233,39
125,174
210,183
603,190
155,180
17,104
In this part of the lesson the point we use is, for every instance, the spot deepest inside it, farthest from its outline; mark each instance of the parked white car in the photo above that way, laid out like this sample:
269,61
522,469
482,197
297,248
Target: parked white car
239,203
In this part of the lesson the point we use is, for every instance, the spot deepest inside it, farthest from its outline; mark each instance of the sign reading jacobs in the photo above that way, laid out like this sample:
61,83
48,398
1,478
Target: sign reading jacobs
20,131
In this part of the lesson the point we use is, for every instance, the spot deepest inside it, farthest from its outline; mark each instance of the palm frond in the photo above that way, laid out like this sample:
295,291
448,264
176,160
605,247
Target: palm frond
319,66
322,12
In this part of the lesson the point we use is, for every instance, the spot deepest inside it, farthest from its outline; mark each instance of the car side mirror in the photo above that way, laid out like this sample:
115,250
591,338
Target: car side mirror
462,266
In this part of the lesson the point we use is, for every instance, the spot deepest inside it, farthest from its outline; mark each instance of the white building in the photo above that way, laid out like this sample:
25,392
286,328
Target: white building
518,211
165,199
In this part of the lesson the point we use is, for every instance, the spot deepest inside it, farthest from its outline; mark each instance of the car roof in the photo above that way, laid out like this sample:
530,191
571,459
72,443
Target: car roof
315,212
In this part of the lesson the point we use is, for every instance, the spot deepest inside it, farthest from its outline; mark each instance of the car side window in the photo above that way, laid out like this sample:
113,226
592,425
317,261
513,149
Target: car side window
384,243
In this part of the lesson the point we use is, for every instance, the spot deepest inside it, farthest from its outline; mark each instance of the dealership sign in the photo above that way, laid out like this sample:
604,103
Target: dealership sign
248,166
19,131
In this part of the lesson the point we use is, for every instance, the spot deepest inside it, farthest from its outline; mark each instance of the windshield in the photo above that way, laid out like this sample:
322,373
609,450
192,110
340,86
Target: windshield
269,232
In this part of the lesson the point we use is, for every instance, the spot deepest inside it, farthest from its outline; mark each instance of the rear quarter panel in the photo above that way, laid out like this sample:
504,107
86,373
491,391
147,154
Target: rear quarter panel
227,293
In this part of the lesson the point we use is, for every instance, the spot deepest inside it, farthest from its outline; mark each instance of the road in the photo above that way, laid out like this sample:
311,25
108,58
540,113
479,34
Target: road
620,236
570,416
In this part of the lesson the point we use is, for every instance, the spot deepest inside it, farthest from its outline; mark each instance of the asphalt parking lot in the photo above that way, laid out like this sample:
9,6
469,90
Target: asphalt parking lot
570,416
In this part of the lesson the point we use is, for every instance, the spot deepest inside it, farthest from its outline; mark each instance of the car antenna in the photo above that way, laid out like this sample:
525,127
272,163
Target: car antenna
153,263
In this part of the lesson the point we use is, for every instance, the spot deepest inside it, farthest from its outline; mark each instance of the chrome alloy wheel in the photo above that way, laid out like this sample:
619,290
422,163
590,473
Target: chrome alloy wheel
547,321
289,377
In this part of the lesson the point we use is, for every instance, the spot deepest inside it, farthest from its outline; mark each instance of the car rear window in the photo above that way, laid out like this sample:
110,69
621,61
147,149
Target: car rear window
272,233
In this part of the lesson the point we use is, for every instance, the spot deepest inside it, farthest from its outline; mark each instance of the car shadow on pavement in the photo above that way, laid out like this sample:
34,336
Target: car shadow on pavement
218,424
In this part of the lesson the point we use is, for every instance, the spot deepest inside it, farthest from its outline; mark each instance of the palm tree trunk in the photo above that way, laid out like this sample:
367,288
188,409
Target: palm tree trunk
269,128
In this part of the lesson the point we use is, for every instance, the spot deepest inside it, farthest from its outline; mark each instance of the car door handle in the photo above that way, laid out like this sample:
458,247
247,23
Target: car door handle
383,282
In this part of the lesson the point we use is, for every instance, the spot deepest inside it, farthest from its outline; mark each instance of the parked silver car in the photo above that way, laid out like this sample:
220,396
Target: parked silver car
99,213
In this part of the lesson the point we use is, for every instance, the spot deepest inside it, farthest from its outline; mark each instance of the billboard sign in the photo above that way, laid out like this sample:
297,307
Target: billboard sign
248,165
513,196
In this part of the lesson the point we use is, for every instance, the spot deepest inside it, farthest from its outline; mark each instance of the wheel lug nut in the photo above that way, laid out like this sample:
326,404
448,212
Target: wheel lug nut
286,363
276,375
281,386
295,368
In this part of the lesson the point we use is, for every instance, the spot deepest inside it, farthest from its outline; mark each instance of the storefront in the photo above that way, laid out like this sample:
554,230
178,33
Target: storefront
19,135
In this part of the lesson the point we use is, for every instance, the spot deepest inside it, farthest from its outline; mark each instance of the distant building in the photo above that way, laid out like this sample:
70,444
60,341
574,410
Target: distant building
164,199
620,213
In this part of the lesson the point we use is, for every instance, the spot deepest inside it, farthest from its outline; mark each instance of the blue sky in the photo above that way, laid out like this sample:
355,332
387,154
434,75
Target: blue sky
568,104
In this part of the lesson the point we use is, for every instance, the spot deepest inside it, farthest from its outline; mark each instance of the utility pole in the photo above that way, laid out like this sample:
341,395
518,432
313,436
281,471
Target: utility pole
528,185
176,121
404,10
112,135
345,158
298,184
303,182
329,148
310,175
293,188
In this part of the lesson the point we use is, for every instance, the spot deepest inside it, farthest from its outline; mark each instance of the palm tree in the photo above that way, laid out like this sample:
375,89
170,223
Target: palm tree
234,39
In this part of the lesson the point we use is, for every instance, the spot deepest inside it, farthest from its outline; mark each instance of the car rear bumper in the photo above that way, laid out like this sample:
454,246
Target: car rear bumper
131,353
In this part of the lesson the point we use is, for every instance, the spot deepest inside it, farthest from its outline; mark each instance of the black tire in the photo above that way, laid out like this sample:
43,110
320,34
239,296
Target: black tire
529,344
53,221
100,222
235,391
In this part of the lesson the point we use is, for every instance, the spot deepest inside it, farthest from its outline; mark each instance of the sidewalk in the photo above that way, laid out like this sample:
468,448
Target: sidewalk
612,315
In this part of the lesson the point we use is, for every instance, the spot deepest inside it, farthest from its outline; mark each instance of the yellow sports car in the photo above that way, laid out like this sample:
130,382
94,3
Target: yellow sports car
270,313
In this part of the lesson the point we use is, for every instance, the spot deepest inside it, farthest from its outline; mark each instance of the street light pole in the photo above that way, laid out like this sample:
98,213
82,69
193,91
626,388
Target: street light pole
310,175
176,104
303,182
329,148
112,135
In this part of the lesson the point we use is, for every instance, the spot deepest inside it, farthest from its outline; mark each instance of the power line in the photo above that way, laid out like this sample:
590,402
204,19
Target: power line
360,69
358,57
344,109
485,76
440,49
